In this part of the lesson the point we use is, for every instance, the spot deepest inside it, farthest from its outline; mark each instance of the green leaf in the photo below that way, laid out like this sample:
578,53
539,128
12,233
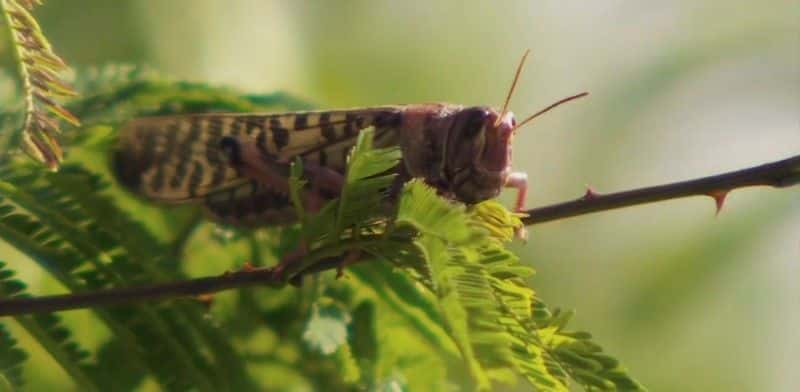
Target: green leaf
436,281
486,305
366,181
50,333
12,358
363,339
421,208
77,253
578,355
446,273
38,67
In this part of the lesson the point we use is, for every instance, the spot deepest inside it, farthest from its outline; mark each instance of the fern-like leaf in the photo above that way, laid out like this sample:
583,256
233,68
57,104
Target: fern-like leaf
360,211
39,67
12,357
50,226
462,286
579,356
465,294
51,334
367,179
486,305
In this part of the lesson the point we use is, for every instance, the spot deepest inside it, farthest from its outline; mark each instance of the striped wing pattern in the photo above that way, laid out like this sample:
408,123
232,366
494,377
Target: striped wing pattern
178,159
249,204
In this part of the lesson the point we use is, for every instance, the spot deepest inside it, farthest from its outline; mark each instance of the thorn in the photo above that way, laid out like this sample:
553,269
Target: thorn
247,267
206,300
351,257
590,193
719,199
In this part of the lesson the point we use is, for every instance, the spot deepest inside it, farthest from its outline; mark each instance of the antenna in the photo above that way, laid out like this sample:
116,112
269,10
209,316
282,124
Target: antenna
547,109
513,87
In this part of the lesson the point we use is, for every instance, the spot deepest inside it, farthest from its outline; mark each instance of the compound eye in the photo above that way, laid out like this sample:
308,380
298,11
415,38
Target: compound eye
475,120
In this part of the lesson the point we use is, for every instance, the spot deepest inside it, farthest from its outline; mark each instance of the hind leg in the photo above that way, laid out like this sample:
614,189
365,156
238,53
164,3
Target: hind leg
270,171
245,156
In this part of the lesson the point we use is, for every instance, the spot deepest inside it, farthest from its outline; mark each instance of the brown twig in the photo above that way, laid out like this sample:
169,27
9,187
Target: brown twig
777,174
116,296
244,277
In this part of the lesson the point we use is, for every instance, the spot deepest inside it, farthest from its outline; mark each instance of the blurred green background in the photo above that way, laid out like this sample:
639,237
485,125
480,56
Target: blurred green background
679,89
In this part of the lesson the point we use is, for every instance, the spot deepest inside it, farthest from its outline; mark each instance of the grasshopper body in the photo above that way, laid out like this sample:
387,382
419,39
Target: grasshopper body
237,164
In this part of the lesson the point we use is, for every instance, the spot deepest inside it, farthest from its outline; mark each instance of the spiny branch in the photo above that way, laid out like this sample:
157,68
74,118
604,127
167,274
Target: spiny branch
777,174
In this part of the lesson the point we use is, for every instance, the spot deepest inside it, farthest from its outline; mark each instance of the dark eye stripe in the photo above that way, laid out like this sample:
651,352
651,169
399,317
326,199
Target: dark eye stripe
474,122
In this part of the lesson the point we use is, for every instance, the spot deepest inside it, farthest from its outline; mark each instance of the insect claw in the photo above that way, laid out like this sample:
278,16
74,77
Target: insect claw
521,233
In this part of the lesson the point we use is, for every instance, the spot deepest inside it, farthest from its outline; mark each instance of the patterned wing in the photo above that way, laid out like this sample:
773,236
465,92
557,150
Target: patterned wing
249,204
177,159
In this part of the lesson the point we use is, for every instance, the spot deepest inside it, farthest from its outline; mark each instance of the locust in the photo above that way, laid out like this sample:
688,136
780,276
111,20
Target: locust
237,165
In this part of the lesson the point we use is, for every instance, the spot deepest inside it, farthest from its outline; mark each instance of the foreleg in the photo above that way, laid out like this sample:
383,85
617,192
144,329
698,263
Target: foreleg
519,181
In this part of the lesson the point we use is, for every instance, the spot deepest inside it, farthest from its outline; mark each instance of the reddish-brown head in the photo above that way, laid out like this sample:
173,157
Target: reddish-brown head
477,159
463,152
496,156
477,156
